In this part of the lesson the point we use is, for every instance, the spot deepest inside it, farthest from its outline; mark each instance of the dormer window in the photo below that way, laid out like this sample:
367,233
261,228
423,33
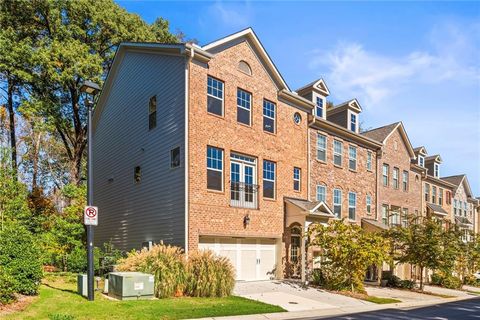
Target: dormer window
319,107
353,122
436,170
421,161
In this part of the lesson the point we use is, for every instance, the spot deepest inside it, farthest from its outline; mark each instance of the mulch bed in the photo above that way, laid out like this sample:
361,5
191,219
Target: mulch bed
19,305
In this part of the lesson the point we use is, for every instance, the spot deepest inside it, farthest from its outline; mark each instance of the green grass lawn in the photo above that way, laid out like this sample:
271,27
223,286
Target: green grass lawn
379,300
58,300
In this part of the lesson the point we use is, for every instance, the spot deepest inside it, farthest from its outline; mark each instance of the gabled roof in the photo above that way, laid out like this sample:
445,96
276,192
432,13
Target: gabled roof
318,84
420,150
249,35
435,158
437,209
353,104
463,221
457,181
317,207
382,134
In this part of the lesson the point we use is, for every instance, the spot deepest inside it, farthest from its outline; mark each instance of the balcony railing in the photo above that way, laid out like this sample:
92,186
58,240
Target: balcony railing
243,195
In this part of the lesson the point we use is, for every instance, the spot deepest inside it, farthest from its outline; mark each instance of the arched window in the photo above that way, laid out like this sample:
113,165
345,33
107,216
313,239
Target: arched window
295,244
245,67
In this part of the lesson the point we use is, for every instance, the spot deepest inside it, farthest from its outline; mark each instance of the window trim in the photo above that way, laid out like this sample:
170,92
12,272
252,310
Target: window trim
395,178
354,206
350,159
270,180
325,192
299,179
222,171
405,182
368,204
324,148
385,217
322,108
338,204
222,99
436,170
249,110
338,153
421,161
369,160
265,116
385,175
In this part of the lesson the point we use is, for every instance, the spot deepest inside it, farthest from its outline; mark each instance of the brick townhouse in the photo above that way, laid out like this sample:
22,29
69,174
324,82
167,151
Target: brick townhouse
206,147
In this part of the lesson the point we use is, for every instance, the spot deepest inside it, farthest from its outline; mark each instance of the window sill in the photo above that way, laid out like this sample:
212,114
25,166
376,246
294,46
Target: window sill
321,161
270,133
269,199
216,191
337,166
216,115
245,125
352,170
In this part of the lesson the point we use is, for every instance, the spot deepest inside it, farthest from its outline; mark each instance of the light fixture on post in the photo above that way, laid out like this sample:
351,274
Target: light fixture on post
246,220
91,89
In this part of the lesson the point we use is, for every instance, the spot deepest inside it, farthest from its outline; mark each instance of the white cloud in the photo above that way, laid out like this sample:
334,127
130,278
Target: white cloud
235,15
352,70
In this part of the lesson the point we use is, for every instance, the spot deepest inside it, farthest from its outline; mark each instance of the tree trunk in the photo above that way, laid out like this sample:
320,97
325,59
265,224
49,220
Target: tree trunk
13,136
36,150
421,278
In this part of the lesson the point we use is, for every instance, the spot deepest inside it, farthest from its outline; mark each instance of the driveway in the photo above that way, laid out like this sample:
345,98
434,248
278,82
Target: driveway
292,296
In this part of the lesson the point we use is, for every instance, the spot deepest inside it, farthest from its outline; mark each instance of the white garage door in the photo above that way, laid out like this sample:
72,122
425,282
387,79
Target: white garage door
253,259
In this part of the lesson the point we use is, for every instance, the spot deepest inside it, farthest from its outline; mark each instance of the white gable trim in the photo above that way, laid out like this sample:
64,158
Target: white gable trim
404,135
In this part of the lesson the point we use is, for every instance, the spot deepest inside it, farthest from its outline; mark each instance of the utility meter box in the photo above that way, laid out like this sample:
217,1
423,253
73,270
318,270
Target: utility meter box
130,285
82,284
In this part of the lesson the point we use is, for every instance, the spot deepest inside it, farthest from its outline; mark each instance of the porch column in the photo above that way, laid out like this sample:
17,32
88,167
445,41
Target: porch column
304,251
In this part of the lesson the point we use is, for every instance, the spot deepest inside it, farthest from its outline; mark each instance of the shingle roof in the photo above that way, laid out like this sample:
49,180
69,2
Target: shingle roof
310,205
463,221
437,209
380,134
374,223
456,180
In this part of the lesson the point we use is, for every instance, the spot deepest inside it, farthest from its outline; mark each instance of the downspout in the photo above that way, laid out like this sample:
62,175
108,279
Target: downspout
186,161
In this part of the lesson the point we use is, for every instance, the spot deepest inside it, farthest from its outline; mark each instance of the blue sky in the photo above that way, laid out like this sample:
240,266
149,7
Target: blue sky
418,62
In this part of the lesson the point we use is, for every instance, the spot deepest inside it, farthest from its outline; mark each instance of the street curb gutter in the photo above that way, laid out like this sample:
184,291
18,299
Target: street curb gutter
339,311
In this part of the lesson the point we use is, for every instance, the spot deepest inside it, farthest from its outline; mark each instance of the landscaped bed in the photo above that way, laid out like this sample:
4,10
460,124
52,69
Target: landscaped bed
58,300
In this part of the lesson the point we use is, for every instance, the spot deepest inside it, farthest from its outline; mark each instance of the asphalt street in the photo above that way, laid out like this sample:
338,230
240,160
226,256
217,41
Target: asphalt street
461,310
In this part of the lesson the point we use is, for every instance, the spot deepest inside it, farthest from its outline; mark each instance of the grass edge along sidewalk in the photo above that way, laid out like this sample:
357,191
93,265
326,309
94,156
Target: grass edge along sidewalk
58,300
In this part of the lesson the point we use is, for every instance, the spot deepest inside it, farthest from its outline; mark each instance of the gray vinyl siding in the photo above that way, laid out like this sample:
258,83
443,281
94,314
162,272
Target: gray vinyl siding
339,118
153,209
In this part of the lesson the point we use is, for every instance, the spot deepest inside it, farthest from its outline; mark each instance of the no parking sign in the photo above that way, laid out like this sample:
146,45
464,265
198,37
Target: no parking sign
90,216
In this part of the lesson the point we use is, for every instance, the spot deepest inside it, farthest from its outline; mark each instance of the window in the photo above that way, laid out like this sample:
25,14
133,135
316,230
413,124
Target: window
297,118
405,218
321,193
297,173
421,161
369,160
436,170
449,197
152,113
337,202
137,174
369,203
465,209
268,116
295,244
175,158
434,194
395,177
405,180
244,101
214,168
268,179
245,67
321,147
427,192
352,205
455,206
319,107
385,214
215,96
385,170
353,122
337,153
352,157
440,196
243,188
395,217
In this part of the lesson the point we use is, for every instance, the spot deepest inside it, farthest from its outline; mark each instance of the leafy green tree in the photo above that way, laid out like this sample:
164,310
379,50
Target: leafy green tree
346,252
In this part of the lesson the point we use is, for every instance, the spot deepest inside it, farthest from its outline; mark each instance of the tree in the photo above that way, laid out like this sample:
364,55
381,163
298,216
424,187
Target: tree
346,252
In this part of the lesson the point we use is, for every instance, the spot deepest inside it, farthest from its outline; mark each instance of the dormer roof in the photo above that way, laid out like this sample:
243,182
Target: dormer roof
352,104
420,150
317,85
435,158
382,134
250,36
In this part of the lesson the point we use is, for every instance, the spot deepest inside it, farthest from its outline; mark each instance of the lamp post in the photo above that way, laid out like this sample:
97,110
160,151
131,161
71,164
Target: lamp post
91,89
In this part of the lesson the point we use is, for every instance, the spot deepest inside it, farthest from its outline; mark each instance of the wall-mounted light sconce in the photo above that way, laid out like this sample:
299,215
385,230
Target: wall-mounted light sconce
246,220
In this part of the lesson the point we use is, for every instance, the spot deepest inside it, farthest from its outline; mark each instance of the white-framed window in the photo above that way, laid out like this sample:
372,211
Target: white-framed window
244,104
269,116
385,214
321,193
297,175
405,180
337,203
369,160
321,147
152,112
434,194
368,201
455,206
465,209
421,161
243,179
385,171
352,157
395,178
268,179
337,152
319,107
440,196
436,170
352,205
405,218
295,244
214,168
214,96
353,122
427,192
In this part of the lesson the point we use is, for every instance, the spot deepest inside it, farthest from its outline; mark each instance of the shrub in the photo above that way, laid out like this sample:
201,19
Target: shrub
447,281
209,275
393,281
407,284
7,293
470,280
20,256
166,263
77,260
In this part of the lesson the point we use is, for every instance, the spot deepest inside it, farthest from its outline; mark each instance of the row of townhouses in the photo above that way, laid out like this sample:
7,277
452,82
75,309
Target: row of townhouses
208,148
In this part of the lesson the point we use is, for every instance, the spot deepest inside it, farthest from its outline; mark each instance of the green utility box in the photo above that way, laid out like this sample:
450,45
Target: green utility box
82,285
130,285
